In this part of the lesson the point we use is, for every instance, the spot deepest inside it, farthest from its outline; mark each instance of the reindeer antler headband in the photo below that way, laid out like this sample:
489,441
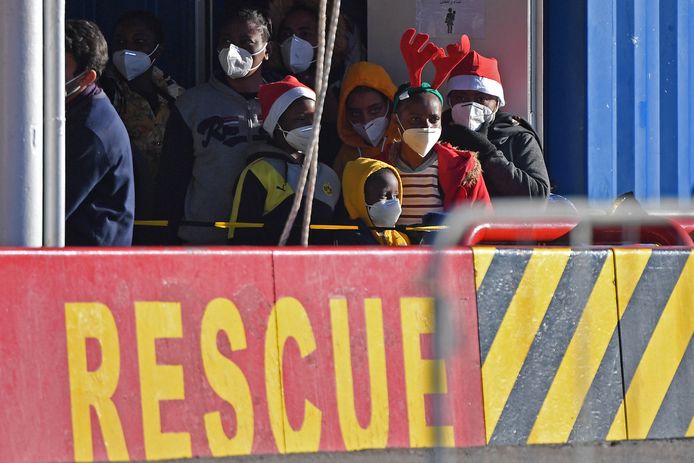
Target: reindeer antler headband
417,52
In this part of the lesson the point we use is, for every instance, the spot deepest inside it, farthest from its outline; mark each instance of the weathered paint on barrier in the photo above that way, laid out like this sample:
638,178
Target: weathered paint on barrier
168,354
549,344
656,306
563,335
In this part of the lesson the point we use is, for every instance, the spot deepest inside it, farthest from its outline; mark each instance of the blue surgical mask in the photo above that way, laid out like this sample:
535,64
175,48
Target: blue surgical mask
132,64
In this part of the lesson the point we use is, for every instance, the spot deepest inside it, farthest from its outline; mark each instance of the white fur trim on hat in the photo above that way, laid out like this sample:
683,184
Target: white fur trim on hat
282,103
477,83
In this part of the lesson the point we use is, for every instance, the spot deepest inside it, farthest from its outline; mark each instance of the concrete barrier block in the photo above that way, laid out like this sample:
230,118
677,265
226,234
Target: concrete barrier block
656,293
549,345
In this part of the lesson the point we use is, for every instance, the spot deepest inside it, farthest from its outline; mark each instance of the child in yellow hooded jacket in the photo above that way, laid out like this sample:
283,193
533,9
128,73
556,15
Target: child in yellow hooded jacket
364,115
372,191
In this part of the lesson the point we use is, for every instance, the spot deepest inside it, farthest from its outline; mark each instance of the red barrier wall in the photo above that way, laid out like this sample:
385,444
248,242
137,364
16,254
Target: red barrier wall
168,354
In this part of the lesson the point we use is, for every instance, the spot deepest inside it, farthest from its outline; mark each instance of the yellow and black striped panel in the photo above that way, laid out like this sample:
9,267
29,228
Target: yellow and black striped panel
655,290
549,345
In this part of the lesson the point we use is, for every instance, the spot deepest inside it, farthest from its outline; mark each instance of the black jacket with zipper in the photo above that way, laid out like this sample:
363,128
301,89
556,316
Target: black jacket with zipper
517,168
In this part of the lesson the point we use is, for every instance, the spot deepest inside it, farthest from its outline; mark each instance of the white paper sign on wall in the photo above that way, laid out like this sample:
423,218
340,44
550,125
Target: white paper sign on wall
444,18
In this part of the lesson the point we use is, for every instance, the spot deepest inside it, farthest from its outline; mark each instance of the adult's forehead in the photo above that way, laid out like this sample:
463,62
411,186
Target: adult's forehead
135,25
300,17
241,25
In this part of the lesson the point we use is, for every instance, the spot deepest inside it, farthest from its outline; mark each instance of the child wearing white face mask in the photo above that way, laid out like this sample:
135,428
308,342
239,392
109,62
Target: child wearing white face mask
266,187
436,176
296,37
372,191
364,121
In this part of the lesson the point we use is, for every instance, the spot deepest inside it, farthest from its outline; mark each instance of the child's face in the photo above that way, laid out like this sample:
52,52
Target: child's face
365,105
420,111
381,185
299,114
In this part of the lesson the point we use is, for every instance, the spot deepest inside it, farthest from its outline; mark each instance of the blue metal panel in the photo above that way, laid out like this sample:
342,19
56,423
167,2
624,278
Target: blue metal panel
602,100
634,129
685,100
669,164
178,21
626,112
565,96
647,98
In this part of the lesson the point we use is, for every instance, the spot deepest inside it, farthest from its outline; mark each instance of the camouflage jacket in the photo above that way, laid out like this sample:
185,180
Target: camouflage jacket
145,127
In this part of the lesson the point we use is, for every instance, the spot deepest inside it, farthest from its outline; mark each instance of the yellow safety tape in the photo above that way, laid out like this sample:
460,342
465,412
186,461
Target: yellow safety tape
152,223
226,225
237,225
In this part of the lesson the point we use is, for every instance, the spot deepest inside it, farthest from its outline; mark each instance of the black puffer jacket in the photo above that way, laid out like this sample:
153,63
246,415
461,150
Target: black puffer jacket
517,168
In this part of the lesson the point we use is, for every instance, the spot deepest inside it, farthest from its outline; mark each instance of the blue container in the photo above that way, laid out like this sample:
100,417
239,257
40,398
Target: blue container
619,92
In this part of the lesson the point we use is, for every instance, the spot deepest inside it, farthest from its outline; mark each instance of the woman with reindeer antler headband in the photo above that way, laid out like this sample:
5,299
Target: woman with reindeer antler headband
436,176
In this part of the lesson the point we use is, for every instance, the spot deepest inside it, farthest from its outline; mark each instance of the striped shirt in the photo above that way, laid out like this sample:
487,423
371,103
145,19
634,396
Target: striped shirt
421,193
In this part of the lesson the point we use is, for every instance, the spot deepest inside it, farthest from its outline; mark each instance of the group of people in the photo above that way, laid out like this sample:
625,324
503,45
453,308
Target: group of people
232,149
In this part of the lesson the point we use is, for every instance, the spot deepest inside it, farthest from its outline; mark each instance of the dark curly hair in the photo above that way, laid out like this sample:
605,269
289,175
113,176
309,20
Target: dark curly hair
150,21
252,16
87,45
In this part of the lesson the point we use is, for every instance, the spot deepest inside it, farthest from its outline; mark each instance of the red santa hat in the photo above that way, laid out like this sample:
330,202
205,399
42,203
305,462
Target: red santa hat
477,72
276,97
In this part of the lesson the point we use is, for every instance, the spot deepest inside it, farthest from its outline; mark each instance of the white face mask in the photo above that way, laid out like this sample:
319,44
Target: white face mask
471,115
70,87
372,132
237,62
421,140
299,138
297,54
132,64
385,213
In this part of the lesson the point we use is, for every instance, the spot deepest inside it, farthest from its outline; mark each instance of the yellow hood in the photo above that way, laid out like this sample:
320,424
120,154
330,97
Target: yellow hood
353,179
363,74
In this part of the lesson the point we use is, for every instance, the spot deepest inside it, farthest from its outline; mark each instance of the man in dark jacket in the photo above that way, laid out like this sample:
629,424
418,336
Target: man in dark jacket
507,146
99,199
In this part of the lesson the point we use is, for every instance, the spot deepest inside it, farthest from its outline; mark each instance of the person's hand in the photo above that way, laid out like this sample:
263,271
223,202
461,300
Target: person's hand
464,138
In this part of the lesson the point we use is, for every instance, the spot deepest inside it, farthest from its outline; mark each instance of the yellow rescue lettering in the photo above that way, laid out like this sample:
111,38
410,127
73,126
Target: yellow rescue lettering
288,319
375,435
418,318
159,320
93,388
226,379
